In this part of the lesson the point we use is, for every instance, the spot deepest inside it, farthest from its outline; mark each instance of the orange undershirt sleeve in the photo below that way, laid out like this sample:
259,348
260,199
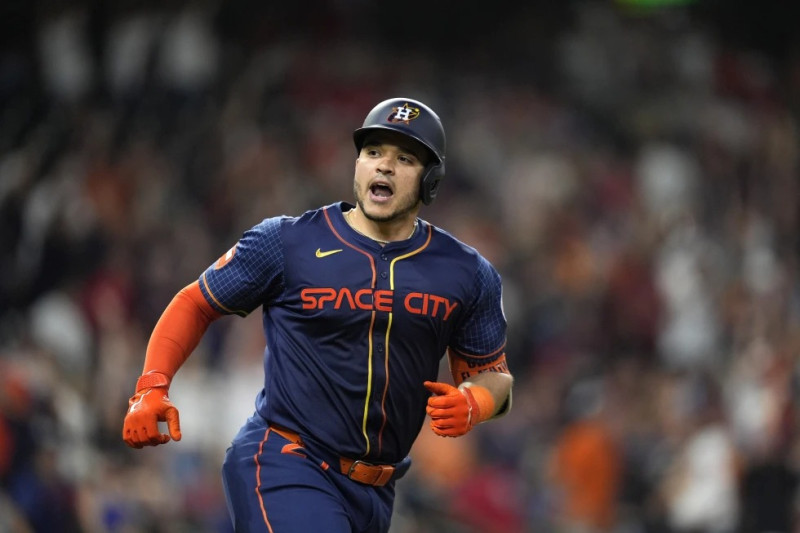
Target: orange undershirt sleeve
461,370
178,332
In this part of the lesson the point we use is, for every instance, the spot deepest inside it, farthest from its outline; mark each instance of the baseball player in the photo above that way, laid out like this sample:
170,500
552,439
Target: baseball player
360,303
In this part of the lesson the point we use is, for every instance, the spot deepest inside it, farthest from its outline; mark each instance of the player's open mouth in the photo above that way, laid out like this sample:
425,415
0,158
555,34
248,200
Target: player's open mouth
381,190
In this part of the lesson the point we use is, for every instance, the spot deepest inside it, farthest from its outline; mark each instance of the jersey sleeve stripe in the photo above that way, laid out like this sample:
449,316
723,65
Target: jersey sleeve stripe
484,356
217,302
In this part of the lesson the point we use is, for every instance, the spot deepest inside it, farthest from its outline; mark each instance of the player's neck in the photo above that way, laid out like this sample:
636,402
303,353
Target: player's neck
382,233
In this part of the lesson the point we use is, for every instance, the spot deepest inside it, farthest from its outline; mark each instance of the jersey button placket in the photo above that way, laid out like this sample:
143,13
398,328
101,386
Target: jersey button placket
380,348
382,321
383,274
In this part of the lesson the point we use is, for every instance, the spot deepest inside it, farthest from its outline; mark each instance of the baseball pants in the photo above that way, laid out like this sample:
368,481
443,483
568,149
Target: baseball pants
274,485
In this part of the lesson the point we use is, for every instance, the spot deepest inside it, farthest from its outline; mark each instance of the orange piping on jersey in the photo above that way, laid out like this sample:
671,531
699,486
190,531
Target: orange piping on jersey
451,353
354,247
258,479
371,328
389,329
485,356
208,289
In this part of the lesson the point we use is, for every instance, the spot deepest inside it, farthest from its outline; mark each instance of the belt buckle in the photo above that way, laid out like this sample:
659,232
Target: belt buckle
378,475
356,463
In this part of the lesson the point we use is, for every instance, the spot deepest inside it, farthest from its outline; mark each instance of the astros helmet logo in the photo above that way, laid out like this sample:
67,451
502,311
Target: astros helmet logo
403,114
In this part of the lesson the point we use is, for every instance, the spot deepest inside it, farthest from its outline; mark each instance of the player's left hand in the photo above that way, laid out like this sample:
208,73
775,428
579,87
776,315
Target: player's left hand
453,411
146,409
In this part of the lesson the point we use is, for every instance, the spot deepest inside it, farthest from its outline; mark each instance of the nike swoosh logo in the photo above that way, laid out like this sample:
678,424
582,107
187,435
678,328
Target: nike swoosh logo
320,253
138,403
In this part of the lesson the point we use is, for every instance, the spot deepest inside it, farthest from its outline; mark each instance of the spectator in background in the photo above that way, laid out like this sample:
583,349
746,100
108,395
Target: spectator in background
700,488
587,463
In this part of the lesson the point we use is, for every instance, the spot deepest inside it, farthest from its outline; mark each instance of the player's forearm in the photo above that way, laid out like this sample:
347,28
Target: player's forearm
178,332
499,385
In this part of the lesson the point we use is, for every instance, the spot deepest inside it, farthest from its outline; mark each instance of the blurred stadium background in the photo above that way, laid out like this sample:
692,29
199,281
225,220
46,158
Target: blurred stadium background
630,167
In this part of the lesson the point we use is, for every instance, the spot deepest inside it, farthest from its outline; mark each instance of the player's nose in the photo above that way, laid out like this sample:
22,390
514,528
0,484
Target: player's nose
386,170
386,165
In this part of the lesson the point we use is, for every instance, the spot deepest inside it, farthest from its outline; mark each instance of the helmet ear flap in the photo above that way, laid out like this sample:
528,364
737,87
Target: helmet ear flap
429,187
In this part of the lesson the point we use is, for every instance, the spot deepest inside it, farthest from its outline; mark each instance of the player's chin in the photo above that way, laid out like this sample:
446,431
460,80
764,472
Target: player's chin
379,209
387,208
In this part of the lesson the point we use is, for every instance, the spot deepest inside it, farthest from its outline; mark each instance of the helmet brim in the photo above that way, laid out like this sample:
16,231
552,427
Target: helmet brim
360,135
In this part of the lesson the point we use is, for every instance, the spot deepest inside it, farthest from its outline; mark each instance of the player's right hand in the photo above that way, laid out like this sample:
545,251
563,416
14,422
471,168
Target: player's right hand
146,409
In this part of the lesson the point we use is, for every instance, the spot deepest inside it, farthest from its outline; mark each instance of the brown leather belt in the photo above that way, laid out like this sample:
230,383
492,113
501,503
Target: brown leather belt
356,469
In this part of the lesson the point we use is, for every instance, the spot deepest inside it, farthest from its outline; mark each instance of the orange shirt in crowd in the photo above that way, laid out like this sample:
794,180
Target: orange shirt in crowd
587,468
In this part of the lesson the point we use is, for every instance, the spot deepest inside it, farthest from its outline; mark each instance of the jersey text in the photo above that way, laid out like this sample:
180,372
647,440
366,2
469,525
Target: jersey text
416,303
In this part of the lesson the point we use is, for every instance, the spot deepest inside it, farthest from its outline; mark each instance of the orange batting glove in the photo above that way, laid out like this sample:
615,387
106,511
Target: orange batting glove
455,411
146,408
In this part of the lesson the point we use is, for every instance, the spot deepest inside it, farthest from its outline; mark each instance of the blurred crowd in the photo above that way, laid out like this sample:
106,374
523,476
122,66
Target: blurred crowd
634,174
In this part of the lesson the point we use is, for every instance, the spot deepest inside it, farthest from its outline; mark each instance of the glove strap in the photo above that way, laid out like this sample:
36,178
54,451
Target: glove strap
152,379
480,401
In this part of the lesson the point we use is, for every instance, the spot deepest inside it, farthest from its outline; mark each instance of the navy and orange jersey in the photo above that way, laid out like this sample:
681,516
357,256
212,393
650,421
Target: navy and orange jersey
353,328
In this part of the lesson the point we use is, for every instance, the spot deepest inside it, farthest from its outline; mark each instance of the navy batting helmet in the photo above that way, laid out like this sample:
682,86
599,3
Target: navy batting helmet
418,121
